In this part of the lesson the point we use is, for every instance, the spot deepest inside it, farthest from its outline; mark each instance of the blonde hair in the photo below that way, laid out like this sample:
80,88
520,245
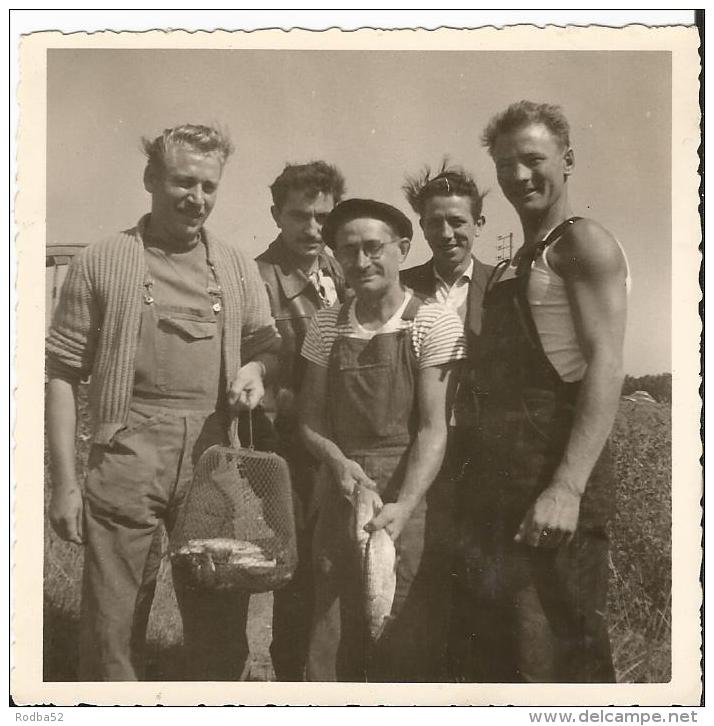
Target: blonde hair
524,113
203,139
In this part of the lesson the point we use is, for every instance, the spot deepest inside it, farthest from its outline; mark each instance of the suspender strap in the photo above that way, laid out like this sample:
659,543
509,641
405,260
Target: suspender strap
525,260
553,236
521,298
497,274
344,313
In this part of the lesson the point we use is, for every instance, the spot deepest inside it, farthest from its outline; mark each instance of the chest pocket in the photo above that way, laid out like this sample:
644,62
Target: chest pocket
373,355
374,381
189,326
187,353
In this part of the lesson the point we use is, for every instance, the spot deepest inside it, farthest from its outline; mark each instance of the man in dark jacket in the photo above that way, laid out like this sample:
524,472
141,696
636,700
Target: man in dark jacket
300,279
449,206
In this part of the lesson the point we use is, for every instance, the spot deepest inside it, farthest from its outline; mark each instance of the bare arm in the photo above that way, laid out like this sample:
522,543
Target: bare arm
314,430
592,265
434,390
66,506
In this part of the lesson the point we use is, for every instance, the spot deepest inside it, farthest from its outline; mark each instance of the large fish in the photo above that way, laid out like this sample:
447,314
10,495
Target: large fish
220,562
378,558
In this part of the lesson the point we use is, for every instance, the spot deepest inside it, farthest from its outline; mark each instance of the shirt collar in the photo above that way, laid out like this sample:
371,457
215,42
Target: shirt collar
468,274
292,279
142,232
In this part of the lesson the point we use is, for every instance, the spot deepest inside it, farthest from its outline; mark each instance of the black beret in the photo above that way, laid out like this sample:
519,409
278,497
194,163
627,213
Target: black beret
355,208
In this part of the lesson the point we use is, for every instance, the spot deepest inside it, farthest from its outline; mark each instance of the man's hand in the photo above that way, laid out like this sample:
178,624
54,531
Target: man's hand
66,506
347,474
552,520
247,391
66,511
391,517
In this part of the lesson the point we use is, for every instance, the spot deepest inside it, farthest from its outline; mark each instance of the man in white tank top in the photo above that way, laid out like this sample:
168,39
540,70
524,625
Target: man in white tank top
549,372
534,160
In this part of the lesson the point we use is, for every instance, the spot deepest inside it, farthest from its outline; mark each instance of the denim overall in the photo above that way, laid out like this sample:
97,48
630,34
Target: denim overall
139,481
372,399
524,613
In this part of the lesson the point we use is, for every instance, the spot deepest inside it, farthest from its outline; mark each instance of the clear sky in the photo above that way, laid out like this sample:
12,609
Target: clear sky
378,116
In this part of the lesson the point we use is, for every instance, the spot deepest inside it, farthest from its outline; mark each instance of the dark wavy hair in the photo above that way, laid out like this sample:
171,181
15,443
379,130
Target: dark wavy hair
313,178
524,113
447,182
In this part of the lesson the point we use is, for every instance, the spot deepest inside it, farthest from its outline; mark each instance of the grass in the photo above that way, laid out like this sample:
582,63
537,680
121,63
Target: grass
640,569
641,553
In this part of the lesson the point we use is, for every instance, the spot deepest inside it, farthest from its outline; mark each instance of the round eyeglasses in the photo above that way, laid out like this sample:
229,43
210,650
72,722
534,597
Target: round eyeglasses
372,248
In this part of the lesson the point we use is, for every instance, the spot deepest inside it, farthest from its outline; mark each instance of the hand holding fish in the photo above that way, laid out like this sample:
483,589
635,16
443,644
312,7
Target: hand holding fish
391,518
348,474
378,557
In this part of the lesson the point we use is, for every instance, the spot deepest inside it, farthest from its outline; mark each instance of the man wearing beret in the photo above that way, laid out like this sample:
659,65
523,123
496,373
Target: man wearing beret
374,404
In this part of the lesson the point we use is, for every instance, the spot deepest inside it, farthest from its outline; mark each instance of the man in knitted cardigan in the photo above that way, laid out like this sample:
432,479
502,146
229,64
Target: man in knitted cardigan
174,329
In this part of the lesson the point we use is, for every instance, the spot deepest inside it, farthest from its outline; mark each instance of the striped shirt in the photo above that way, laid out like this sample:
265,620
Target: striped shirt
437,333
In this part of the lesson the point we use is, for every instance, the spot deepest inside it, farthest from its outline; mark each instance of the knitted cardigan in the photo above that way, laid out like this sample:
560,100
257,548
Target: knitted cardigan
95,328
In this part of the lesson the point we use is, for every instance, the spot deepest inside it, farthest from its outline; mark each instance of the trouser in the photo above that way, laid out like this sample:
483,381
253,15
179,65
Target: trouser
292,614
525,614
412,647
133,485
292,603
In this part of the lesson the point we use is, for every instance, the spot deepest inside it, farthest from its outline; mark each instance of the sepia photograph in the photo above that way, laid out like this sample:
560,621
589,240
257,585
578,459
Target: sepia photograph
363,358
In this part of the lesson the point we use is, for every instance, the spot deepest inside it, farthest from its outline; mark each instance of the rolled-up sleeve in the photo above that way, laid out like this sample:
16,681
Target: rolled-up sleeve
259,334
72,339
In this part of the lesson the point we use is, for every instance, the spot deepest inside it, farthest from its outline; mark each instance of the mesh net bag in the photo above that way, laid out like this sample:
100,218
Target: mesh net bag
236,527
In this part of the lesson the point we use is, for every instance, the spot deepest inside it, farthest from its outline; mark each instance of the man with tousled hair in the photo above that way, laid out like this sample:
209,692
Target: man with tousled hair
174,329
301,278
450,205
548,372
450,208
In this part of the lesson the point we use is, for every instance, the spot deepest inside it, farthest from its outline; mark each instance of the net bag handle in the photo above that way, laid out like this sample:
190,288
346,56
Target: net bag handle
233,436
